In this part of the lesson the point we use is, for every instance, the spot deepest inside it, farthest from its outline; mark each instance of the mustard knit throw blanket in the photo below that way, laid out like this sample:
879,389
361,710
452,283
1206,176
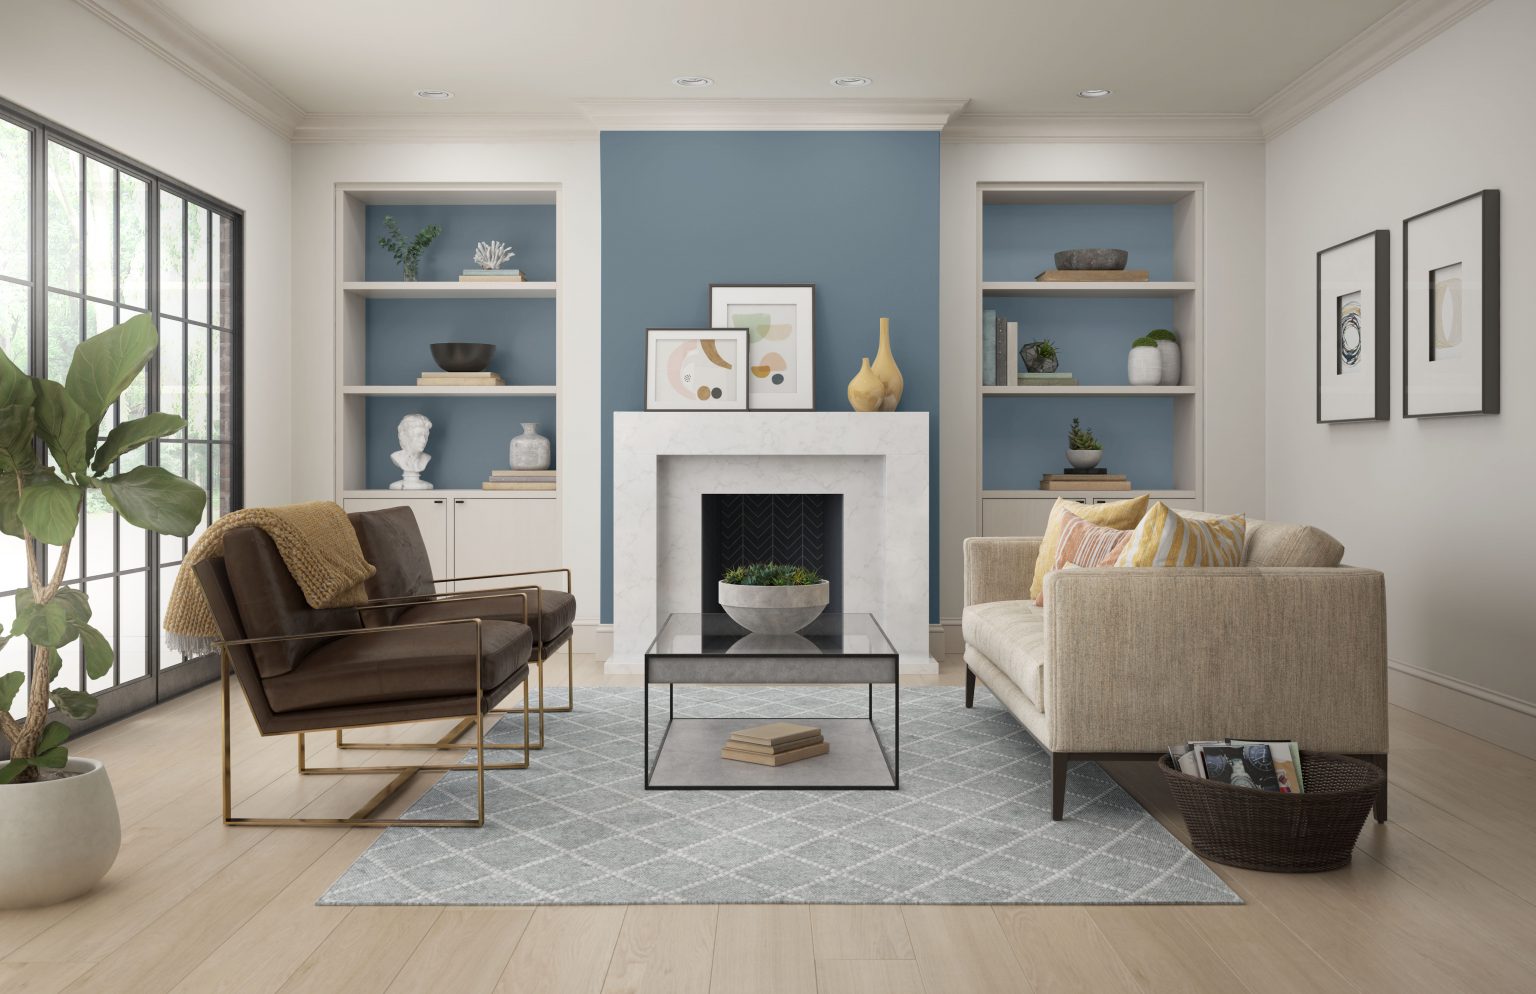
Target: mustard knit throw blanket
317,544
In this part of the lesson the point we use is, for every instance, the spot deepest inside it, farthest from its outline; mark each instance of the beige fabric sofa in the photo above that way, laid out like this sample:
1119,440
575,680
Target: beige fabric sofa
1122,663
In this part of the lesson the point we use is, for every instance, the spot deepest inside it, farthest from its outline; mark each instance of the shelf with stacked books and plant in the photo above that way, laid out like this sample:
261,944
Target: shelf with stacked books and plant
1073,281
448,307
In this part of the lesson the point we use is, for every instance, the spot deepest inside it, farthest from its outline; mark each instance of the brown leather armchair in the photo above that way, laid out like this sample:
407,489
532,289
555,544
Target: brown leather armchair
403,591
305,670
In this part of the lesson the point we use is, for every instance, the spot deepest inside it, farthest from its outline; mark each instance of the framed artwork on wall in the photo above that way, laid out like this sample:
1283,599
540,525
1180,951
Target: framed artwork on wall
695,369
780,322
1451,308
1353,330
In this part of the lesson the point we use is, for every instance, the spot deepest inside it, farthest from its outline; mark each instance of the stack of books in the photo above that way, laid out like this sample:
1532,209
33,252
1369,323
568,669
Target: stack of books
1093,276
520,479
441,379
1057,379
491,276
777,744
1070,480
1255,763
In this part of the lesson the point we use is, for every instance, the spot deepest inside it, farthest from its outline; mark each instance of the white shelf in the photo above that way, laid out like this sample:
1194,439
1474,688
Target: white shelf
1117,494
415,391
420,290
1032,288
1089,391
451,494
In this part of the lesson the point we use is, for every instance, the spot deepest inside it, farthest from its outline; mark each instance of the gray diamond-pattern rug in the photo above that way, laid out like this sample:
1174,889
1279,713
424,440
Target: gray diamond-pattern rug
971,823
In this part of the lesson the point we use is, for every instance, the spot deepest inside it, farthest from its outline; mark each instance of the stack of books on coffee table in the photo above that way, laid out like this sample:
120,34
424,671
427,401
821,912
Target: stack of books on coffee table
777,744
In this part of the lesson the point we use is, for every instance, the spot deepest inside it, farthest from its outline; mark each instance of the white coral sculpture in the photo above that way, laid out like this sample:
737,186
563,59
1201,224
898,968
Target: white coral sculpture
490,255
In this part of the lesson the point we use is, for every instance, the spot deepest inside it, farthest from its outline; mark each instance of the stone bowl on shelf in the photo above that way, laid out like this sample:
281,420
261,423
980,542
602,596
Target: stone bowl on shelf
774,610
462,357
1092,258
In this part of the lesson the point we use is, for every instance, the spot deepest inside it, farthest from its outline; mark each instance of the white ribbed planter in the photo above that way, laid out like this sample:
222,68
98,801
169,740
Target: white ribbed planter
1144,367
58,838
1169,355
774,610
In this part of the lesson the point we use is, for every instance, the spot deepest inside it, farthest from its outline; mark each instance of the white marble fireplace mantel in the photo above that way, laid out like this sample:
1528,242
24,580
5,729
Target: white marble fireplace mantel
664,462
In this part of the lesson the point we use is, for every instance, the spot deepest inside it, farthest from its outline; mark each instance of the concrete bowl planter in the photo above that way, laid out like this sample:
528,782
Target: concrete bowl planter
774,610
58,838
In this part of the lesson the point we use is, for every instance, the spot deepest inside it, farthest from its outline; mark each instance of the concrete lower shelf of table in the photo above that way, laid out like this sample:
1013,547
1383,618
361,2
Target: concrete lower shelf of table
690,758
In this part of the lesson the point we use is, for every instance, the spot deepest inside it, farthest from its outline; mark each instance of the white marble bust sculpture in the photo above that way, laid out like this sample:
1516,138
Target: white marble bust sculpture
412,457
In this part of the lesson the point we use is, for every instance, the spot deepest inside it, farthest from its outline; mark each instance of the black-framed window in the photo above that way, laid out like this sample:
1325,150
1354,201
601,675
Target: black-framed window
88,239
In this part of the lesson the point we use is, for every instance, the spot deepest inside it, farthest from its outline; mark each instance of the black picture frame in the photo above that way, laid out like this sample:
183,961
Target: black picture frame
1381,328
1490,294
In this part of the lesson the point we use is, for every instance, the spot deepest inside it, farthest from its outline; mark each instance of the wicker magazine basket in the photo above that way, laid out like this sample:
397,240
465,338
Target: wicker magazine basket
1285,833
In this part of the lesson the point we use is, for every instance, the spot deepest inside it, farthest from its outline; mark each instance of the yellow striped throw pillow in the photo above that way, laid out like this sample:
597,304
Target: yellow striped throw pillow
1166,538
1122,514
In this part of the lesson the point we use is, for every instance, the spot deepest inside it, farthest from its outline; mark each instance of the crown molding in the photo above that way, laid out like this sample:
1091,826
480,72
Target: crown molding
442,127
761,114
178,44
1393,36
1108,128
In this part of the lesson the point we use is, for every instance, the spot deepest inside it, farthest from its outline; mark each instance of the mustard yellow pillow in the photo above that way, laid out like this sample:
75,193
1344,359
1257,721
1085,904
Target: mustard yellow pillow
1121,514
1166,538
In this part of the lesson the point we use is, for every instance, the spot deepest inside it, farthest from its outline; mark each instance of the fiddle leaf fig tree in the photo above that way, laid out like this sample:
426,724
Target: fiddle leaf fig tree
40,504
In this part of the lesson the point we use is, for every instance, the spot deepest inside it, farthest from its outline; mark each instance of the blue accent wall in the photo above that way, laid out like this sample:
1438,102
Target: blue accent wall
856,213
1019,240
1023,437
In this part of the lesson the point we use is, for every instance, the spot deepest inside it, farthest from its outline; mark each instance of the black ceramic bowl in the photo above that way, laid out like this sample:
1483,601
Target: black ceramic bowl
462,357
1092,258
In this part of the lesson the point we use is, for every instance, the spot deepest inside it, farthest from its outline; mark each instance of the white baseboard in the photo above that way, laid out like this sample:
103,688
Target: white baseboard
594,637
954,642
1487,714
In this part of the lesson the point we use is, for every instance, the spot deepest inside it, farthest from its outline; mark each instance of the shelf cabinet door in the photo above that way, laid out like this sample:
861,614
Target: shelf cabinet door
431,517
1022,516
502,536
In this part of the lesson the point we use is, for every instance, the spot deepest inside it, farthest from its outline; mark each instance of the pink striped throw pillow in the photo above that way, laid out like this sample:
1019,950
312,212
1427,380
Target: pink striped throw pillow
1086,544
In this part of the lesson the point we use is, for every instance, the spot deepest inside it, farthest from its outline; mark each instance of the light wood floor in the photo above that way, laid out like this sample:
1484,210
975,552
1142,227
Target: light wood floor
1442,899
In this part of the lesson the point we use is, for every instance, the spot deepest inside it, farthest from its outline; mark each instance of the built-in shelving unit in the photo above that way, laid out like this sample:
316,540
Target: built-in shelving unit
1151,433
385,327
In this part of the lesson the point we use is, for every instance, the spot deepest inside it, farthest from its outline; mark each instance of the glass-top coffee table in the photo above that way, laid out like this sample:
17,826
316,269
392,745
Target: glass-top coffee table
834,649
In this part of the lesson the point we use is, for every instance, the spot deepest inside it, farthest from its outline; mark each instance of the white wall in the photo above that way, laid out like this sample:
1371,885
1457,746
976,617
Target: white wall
1440,505
317,169
66,64
1233,178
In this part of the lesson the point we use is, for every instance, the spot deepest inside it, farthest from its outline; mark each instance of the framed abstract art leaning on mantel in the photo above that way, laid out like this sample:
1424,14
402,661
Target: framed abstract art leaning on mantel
695,369
1451,308
781,339
1354,330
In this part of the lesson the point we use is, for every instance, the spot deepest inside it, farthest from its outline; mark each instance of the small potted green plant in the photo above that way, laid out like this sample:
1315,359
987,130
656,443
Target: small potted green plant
1168,355
1144,366
1040,357
407,253
59,830
1083,449
773,598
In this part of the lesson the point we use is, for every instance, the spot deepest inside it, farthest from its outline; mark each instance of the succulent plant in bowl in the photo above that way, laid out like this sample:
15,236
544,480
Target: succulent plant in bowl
1083,450
773,598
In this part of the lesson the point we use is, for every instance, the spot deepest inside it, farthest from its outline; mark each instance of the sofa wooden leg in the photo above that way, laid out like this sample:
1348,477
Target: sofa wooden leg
1380,759
1058,785
970,688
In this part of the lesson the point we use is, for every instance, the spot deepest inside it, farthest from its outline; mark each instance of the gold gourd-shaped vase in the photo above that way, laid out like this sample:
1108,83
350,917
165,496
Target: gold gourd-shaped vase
886,369
865,391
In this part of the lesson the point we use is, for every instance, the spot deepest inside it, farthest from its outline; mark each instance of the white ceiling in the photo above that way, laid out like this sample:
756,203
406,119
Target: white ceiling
1006,56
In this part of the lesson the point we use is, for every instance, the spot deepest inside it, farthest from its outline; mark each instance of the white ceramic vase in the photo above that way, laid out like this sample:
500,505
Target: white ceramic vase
530,450
1168,354
1144,367
774,610
58,838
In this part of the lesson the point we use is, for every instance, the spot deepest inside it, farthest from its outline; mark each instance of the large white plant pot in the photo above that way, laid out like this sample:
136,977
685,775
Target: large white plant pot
1144,367
1168,353
58,838
774,610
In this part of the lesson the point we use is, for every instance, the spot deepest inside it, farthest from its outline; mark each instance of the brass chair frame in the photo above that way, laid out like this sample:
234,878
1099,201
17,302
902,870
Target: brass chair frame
382,603
362,817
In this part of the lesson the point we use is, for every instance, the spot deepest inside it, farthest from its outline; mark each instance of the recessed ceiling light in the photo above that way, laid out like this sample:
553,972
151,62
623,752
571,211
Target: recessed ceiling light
1094,94
850,81
692,81
434,94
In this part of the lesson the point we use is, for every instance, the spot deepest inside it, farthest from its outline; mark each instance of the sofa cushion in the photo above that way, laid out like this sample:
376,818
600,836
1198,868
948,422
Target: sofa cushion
1012,635
1086,544
1280,543
559,612
1166,538
1114,514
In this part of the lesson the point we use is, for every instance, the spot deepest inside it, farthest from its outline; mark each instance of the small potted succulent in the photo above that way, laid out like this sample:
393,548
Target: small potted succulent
1144,366
773,598
1040,357
1083,450
1168,355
